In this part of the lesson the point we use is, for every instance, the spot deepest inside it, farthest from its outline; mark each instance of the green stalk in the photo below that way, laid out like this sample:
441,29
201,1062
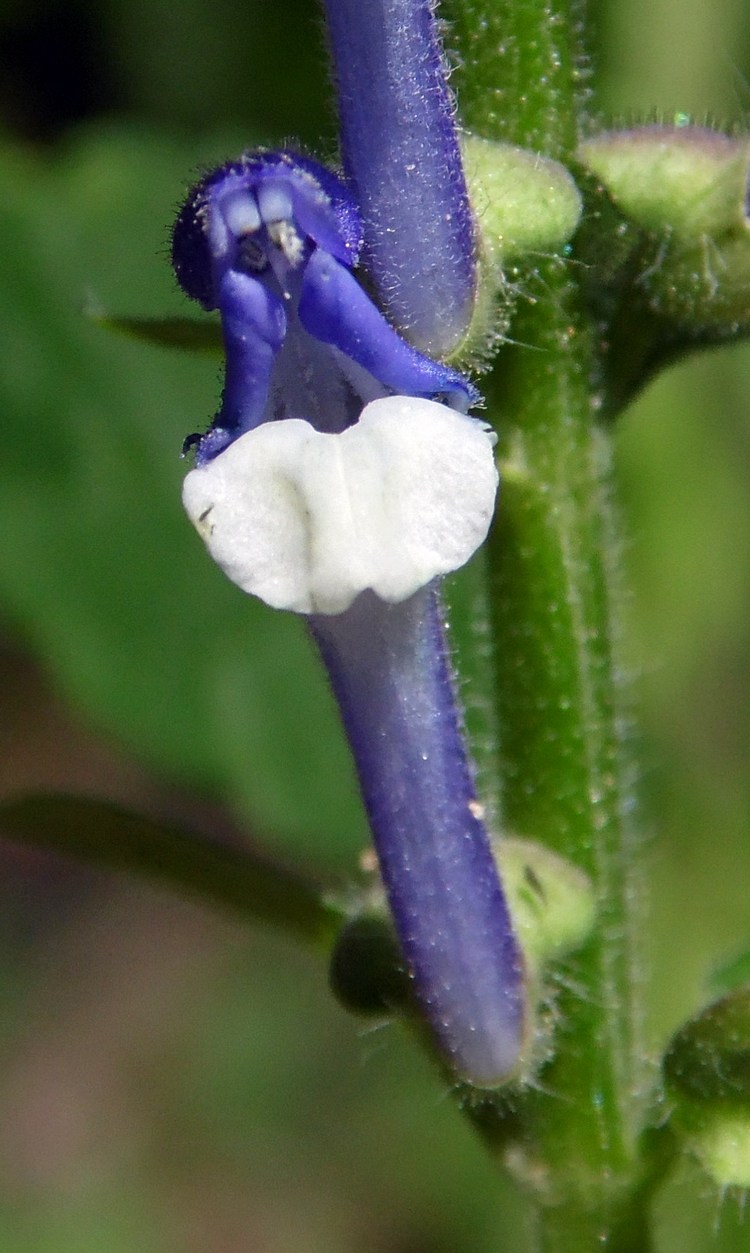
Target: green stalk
189,861
567,775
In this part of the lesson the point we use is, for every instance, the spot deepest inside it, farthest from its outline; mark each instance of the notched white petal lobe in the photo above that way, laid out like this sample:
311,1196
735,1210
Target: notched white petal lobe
307,520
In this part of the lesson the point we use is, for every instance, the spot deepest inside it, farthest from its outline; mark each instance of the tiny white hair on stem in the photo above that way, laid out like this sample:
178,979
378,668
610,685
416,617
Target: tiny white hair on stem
307,520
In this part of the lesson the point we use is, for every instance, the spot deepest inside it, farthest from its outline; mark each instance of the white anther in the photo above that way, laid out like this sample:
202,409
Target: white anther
274,202
241,214
307,521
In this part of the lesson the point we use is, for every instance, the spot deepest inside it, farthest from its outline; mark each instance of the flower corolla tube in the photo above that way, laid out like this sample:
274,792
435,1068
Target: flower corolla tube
340,478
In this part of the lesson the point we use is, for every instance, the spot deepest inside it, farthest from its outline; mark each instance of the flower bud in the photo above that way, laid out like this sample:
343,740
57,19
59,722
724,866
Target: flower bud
707,1075
709,1058
552,902
522,202
367,972
686,188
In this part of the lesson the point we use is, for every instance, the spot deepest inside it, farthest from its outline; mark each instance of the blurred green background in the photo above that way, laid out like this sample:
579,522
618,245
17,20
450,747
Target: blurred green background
171,1080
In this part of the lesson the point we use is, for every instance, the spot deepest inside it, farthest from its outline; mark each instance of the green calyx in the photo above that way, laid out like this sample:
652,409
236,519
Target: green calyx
551,901
707,1080
708,1060
524,204
687,180
721,1142
685,190
553,909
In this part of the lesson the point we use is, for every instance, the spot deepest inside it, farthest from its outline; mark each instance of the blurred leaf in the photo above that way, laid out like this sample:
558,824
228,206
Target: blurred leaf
255,63
106,836
731,974
98,565
186,333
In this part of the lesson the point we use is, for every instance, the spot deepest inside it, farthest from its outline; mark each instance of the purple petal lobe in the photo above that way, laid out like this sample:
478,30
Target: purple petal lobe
254,326
335,309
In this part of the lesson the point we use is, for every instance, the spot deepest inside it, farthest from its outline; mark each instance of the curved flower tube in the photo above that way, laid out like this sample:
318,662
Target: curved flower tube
401,153
340,479
390,670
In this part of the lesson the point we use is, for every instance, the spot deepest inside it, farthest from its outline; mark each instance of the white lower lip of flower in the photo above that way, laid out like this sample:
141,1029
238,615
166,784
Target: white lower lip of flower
307,520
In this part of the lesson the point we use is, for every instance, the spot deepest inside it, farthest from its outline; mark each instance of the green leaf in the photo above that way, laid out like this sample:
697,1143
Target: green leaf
186,333
729,975
99,568
106,836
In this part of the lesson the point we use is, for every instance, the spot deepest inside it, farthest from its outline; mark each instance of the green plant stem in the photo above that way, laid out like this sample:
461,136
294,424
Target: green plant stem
567,772
521,74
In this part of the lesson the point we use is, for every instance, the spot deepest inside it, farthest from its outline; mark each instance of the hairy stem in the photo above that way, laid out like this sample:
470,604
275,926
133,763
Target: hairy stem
567,771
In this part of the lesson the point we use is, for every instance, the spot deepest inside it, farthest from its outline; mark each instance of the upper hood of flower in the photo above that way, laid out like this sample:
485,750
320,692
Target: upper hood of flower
259,189
271,240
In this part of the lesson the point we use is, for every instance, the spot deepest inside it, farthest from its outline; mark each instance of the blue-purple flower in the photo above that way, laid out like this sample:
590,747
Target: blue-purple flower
340,479
271,241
